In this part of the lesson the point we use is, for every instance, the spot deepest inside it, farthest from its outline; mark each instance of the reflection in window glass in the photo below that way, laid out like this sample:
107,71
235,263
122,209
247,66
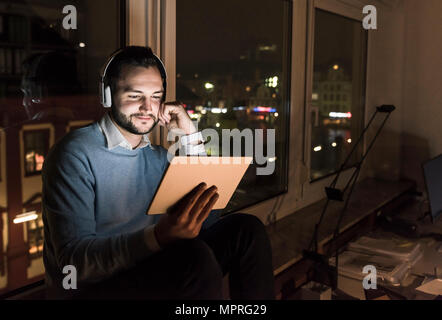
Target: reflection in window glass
36,145
35,237
48,79
232,74
339,71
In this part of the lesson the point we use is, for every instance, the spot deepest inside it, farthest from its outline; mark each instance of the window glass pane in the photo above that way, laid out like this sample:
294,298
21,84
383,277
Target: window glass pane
35,237
36,146
339,91
232,73
50,64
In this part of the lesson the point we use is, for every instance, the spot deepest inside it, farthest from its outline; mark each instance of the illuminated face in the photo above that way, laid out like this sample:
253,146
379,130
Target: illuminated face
137,99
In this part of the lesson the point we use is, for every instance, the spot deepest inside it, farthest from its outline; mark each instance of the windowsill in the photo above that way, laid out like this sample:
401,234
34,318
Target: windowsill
292,234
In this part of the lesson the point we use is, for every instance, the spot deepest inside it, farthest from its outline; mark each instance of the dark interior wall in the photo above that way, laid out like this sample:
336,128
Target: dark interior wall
422,86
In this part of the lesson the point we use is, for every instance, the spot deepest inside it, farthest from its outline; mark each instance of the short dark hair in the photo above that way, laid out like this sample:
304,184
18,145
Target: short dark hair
55,70
131,56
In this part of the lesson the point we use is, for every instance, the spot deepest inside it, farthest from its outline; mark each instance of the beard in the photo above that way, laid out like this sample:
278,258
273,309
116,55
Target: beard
126,122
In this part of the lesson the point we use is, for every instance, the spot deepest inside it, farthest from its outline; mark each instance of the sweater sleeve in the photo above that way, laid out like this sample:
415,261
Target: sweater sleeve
68,205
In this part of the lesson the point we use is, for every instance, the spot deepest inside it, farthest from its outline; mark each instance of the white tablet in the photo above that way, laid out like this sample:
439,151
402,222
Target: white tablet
185,173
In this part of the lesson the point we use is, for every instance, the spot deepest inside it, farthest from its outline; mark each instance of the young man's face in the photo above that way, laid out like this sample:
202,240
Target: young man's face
137,99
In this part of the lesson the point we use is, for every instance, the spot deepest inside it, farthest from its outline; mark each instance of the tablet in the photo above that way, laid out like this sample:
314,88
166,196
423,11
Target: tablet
185,173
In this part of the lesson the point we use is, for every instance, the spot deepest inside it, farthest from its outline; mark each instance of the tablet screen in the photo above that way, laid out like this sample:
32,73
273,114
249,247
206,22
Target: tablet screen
185,173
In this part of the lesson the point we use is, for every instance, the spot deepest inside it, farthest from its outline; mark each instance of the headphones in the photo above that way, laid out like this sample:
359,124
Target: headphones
105,90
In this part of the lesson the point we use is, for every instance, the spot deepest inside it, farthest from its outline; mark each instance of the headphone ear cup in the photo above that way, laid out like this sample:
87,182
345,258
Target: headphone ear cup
107,103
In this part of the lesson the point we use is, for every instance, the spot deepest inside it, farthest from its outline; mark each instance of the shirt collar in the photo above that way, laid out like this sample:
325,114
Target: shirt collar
114,137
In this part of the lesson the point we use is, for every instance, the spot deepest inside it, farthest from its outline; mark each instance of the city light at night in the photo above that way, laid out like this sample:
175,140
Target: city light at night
264,109
27,216
340,115
272,82
218,110
208,86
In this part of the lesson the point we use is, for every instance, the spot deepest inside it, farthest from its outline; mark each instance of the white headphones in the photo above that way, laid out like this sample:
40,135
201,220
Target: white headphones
105,91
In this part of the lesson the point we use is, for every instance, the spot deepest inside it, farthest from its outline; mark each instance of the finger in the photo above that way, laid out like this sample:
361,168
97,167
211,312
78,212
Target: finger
188,201
172,107
161,114
161,122
162,107
207,209
166,113
182,205
162,119
201,202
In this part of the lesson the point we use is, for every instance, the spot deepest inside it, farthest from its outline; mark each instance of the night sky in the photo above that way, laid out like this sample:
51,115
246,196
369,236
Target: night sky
334,40
226,29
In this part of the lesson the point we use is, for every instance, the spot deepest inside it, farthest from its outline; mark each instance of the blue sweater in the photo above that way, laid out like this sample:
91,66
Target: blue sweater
94,205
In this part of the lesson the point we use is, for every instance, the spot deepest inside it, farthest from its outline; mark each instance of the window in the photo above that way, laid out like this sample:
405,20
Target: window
36,146
35,237
229,54
338,38
48,79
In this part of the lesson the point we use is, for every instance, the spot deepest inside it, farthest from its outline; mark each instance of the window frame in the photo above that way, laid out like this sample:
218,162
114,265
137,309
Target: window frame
314,189
27,233
2,159
3,206
43,129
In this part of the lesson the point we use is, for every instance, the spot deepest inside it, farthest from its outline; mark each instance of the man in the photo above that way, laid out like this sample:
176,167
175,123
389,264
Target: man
97,184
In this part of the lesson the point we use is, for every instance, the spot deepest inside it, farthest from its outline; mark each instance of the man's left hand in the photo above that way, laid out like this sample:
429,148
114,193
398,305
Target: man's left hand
173,116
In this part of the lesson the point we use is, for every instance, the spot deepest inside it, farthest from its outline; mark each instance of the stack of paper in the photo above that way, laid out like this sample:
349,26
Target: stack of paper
392,258
402,250
351,264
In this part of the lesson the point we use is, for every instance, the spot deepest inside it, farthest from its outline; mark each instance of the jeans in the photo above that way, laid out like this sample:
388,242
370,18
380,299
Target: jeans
193,269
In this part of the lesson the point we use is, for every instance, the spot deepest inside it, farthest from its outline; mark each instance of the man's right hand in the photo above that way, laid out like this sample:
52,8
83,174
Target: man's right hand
184,219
